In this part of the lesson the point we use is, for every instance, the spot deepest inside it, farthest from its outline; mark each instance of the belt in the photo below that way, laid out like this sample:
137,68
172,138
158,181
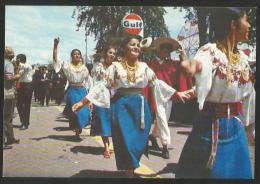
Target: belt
216,111
76,84
25,83
220,110
22,84
129,91
133,91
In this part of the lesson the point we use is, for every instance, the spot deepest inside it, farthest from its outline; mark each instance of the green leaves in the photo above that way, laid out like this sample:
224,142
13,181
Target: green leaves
104,22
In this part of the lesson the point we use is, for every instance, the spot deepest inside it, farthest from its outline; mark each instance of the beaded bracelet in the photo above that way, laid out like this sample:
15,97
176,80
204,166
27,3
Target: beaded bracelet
84,101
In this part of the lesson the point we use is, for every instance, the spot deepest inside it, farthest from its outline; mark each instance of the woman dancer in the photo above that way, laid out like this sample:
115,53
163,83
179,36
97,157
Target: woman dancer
102,116
131,118
79,83
217,146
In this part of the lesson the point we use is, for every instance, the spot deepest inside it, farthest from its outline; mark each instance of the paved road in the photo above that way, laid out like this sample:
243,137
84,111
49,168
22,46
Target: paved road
48,149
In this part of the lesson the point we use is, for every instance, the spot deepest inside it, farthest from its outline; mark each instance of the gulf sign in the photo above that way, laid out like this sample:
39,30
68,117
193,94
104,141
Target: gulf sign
132,24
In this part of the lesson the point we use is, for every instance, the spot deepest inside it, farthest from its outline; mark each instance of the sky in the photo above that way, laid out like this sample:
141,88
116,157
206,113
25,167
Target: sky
31,30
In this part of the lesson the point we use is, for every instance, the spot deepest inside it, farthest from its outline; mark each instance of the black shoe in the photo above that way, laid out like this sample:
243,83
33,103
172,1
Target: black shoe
155,145
12,141
165,153
24,127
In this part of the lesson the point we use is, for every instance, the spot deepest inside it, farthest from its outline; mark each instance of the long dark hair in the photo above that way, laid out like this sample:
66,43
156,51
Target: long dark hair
220,21
104,52
74,50
125,41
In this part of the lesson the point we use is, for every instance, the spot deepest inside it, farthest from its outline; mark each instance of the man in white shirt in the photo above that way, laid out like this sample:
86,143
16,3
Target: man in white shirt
24,92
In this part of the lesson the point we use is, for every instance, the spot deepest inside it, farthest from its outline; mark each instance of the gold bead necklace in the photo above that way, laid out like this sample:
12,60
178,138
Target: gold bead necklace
130,70
233,59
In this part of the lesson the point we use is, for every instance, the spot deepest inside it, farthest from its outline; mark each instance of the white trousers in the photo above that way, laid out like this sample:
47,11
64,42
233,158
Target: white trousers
161,128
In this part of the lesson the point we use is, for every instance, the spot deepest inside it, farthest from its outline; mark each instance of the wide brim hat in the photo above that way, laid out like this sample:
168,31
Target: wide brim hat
166,40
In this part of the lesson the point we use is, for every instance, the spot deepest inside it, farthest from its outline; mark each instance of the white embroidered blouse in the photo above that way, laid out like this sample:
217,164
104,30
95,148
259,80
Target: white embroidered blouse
98,73
73,74
116,77
211,83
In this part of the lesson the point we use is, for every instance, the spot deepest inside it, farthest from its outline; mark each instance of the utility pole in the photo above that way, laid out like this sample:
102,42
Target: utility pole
86,53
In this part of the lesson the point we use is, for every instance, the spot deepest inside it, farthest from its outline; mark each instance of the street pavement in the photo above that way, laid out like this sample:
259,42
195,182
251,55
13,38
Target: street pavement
48,149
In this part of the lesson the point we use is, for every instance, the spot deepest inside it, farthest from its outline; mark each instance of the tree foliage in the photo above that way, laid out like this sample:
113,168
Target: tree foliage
252,21
203,16
104,22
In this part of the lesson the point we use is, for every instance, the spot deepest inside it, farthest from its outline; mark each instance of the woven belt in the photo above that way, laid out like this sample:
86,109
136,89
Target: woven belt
220,110
76,84
134,91
216,111
129,91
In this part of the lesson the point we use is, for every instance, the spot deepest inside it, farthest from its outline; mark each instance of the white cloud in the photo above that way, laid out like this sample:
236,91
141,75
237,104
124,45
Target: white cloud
174,19
31,30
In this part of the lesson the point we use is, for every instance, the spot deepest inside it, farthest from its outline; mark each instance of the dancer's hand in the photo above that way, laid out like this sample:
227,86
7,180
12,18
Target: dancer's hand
192,93
190,67
180,96
56,41
77,106
182,54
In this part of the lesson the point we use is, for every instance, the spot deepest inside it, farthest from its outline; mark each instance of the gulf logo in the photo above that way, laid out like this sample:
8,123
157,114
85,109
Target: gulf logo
132,24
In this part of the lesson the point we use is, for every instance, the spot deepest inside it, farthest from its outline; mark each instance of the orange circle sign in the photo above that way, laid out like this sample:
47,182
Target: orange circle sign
132,23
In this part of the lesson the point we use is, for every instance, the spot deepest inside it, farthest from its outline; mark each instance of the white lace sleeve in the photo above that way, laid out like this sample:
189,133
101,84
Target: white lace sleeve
249,108
162,91
204,78
99,94
88,82
162,94
58,65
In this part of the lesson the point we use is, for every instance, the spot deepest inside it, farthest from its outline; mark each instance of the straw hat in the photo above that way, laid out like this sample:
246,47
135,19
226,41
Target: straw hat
165,40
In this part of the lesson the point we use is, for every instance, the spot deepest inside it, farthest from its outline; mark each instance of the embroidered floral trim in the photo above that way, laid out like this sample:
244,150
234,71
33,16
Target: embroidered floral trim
74,69
239,73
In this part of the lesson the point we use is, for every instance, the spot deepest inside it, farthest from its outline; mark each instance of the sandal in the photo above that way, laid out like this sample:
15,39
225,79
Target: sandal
106,154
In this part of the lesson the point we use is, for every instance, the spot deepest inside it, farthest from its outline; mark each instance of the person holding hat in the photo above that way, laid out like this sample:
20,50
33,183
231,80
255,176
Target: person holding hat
9,98
131,118
24,92
79,81
218,147
166,70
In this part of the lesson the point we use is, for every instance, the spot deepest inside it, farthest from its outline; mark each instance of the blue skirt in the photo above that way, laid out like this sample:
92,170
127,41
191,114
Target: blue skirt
129,140
232,157
101,121
81,118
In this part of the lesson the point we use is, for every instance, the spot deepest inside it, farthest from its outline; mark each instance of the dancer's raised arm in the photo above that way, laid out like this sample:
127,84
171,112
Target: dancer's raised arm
55,49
